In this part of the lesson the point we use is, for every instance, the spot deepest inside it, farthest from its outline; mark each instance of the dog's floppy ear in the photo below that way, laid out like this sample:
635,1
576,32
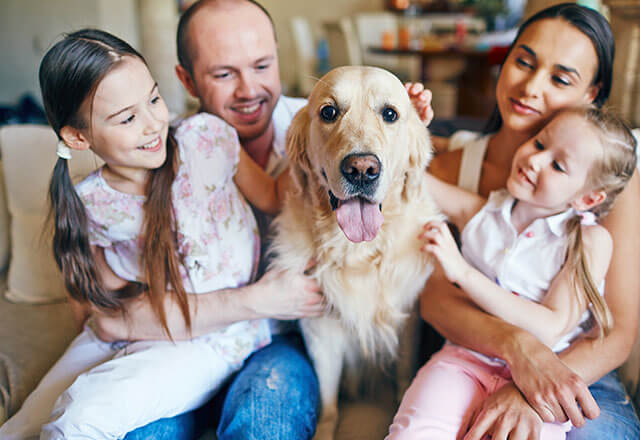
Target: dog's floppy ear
297,141
420,153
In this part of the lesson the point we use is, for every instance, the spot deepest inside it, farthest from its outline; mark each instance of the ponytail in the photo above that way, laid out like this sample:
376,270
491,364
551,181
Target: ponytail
611,172
582,282
71,248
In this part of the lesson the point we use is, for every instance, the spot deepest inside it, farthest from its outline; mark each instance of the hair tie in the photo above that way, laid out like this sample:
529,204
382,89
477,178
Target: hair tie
587,218
63,150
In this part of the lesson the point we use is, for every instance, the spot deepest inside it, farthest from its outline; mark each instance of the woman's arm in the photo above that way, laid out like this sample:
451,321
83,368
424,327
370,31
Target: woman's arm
536,370
261,190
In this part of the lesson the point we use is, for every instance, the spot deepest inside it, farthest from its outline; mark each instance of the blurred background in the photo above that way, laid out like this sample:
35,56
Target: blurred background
454,46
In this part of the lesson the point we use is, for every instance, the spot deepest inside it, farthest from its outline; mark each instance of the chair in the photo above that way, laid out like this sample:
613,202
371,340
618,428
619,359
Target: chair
305,55
344,49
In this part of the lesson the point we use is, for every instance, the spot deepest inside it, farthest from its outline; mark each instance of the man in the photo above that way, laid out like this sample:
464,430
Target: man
228,61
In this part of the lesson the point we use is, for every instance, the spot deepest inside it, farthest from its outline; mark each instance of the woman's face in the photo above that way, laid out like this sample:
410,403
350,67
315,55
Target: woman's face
551,66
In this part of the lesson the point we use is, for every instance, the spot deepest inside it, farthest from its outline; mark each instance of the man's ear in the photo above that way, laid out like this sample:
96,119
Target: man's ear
74,138
589,200
186,80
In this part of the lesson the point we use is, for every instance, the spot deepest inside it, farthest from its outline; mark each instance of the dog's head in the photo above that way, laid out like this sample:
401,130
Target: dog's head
357,138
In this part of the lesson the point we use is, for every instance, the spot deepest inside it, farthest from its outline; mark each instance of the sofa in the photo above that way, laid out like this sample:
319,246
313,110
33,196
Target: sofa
36,323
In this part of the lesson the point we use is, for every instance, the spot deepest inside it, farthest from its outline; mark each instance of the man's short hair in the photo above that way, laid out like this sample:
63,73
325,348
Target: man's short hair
185,55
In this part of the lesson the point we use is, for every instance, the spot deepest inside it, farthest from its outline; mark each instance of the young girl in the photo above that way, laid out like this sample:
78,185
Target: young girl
161,217
531,255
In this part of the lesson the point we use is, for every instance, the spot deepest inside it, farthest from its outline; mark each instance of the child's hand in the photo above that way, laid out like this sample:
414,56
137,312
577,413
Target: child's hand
421,100
439,242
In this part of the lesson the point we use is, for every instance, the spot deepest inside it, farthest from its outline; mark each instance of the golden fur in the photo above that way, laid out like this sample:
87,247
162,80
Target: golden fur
370,286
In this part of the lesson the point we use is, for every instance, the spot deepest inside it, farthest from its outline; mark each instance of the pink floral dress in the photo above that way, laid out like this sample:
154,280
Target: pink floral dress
217,232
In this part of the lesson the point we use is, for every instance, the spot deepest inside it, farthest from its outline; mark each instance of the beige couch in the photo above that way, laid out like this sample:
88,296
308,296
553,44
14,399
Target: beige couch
35,322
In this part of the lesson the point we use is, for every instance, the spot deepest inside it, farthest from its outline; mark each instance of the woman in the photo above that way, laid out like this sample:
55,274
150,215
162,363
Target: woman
562,57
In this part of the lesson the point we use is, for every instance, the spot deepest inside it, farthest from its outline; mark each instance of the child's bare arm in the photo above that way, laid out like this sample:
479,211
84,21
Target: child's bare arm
548,321
456,203
261,190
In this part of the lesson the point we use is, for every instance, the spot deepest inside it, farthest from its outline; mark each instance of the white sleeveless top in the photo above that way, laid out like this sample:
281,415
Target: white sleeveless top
474,146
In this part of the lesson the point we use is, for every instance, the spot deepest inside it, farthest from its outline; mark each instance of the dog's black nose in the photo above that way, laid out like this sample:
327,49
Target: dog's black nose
360,169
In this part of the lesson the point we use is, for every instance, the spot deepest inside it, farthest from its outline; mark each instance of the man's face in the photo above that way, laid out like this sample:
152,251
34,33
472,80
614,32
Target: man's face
235,66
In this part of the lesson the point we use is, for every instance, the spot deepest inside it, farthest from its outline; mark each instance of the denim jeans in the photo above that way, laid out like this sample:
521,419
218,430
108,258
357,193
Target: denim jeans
274,396
618,419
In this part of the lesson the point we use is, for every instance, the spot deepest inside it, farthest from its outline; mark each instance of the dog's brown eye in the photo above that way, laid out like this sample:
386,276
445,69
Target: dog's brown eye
328,113
389,114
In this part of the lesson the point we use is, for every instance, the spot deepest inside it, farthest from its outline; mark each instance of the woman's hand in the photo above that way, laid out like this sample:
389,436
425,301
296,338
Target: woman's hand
552,389
504,415
421,100
439,242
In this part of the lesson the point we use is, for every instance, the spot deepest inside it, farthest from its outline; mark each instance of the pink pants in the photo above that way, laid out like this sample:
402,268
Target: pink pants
449,387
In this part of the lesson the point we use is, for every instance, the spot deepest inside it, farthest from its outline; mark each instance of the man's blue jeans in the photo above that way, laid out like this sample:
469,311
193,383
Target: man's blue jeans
274,396
617,419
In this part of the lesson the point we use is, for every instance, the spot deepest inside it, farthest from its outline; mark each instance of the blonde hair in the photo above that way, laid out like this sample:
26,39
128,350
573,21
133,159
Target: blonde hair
610,174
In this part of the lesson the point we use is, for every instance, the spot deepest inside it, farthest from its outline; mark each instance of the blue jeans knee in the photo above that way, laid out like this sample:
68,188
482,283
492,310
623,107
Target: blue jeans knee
274,396
618,419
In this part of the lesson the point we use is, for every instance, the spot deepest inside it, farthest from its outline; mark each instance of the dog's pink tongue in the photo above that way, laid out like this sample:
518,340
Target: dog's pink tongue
359,220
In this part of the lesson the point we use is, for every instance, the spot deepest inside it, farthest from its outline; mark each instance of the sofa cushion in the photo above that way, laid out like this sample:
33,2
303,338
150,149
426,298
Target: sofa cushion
28,158
4,225
32,338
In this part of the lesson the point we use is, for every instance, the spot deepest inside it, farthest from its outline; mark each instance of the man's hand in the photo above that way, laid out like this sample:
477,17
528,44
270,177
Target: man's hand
283,295
505,415
421,100
555,392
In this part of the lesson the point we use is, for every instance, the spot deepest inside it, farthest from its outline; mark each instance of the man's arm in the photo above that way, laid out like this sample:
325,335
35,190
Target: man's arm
261,190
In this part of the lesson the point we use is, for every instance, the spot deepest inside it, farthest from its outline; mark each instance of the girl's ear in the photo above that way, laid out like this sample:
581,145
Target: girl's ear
74,138
589,200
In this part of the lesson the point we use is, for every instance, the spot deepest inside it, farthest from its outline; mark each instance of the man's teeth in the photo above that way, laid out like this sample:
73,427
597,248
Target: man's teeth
150,145
247,110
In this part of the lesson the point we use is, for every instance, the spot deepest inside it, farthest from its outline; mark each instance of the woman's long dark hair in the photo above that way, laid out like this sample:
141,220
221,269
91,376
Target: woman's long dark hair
592,24
70,73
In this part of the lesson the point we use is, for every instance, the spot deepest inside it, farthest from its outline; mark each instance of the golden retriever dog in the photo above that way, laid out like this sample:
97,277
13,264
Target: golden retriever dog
358,202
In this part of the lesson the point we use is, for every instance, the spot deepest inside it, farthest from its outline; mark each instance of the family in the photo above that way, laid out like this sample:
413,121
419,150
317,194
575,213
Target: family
160,249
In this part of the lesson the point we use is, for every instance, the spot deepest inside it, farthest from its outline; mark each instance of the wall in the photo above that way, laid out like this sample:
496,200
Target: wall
317,12
29,27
